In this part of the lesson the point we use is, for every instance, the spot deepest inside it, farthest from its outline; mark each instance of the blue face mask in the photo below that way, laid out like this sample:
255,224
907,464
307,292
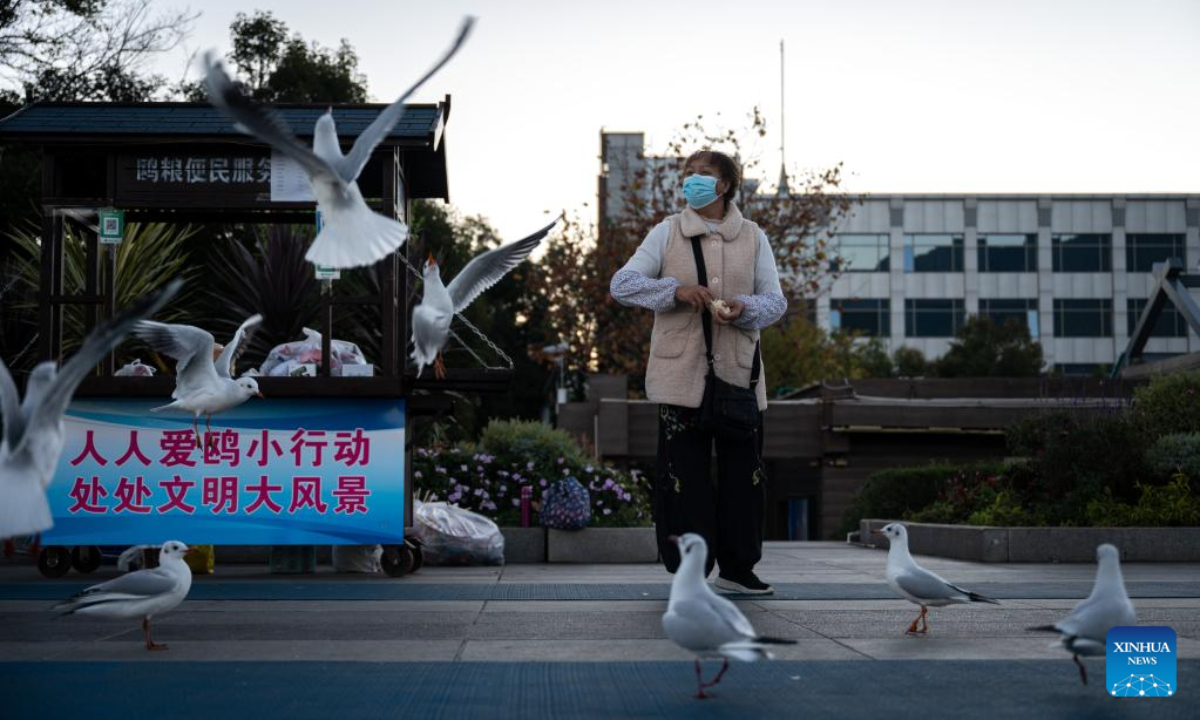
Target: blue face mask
700,190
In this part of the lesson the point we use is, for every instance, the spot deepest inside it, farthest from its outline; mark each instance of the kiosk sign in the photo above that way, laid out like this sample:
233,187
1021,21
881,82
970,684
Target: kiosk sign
272,472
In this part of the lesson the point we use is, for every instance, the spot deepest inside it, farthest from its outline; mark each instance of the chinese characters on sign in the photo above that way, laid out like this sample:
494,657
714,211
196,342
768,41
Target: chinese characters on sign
192,485
203,170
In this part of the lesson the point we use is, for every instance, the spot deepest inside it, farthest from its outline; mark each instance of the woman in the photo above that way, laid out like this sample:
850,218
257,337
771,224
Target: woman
662,276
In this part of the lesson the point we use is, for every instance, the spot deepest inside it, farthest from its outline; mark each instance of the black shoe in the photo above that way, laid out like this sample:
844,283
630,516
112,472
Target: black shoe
746,583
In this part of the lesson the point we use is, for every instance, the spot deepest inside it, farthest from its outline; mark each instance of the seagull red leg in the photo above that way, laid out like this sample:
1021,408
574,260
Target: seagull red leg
924,619
724,667
439,367
150,644
912,628
700,695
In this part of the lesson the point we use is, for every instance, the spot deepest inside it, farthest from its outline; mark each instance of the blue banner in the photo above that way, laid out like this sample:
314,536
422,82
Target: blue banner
270,472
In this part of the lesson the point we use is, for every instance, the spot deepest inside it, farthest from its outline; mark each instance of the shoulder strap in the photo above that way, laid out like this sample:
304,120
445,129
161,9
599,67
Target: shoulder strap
702,279
706,316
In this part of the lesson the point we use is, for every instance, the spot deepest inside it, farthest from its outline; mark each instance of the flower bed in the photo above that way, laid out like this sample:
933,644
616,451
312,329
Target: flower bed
488,477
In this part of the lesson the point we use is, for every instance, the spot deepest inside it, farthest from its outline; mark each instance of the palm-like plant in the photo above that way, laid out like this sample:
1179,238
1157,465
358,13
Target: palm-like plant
150,255
272,278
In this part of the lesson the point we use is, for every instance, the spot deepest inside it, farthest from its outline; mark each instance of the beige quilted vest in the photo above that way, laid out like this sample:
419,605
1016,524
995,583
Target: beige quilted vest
676,371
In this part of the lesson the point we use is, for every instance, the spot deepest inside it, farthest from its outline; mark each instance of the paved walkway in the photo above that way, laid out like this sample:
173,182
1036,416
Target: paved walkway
561,641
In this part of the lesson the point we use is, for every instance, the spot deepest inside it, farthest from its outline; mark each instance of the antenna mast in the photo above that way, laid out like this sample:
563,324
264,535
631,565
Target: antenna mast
783,179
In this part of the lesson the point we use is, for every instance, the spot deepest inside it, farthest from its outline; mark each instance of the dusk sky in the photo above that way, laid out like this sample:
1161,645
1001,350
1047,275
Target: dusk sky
919,96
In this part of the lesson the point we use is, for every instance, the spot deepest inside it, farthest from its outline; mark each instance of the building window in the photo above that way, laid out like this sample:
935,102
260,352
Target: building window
865,317
861,253
1143,250
933,253
1082,253
1170,321
1023,311
1008,253
932,318
1083,318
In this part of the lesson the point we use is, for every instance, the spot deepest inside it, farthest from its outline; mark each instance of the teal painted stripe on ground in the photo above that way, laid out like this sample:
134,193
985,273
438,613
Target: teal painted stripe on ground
297,691
367,588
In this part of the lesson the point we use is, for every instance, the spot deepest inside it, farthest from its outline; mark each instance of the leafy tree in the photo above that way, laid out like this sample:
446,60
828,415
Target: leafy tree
575,272
276,68
910,362
86,49
981,348
797,352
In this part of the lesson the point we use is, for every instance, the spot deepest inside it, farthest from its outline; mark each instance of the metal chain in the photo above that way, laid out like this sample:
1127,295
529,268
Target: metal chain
478,333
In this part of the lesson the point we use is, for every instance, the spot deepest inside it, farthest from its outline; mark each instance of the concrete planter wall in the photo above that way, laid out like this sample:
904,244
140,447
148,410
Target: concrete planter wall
602,545
524,545
1042,544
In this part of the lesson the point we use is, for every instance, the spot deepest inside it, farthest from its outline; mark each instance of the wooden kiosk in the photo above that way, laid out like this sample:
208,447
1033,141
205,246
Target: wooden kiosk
185,163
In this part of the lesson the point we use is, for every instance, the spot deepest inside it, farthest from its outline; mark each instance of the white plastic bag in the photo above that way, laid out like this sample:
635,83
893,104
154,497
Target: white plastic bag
283,360
451,535
357,558
135,369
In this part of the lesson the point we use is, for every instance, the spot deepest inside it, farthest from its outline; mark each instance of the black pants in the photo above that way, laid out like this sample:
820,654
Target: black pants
728,516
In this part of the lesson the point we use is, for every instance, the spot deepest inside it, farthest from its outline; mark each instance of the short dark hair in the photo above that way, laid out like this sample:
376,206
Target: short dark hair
725,165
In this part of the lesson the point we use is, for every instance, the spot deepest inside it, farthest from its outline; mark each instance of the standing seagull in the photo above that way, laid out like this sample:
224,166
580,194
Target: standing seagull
1085,629
432,317
352,234
202,386
699,620
34,432
141,593
918,585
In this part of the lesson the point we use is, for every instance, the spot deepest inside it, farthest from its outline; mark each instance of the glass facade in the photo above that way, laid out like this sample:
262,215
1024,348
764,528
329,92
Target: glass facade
933,253
1081,253
1170,321
862,253
1083,318
865,317
1142,250
933,318
1008,253
1023,311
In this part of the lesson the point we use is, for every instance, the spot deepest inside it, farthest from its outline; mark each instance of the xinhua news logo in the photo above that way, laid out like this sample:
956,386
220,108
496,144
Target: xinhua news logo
1141,662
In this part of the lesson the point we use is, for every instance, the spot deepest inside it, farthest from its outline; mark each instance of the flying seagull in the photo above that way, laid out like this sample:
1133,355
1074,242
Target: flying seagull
352,234
918,585
34,432
432,317
701,621
141,593
1085,629
202,386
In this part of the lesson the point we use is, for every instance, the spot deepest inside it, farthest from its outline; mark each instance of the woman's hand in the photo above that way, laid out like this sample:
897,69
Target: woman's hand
697,296
735,311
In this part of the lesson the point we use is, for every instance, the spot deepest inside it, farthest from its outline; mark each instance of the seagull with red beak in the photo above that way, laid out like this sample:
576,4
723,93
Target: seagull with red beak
204,379
441,302
706,624
141,593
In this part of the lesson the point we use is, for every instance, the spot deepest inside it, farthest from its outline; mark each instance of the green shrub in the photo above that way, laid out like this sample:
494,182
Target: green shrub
515,454
1173,504
1005,510
1169,404
899,492
1178,452
532,440
1069,457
